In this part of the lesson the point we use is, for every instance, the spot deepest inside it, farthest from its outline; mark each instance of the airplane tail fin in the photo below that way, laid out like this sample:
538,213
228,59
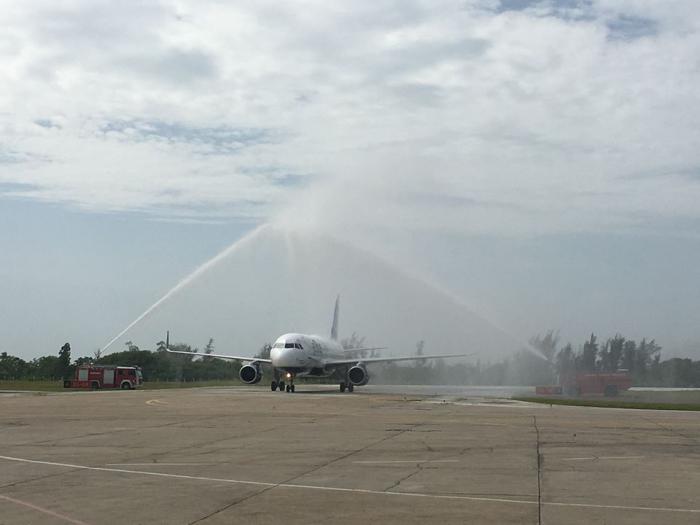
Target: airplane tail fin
167,340
334,327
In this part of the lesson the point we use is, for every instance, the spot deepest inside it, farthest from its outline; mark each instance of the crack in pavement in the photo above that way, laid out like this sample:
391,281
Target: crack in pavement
297,476
539,471
232,504
352,453
400,480
107,432
204,443
286,424
38,478
694,439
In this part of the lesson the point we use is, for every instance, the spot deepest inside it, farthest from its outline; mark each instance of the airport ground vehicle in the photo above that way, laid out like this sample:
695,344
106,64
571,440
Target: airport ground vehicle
96,377
608,384
591,383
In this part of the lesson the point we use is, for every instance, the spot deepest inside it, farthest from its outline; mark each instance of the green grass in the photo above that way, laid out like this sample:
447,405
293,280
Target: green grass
610,403
40,385
57,386
158,385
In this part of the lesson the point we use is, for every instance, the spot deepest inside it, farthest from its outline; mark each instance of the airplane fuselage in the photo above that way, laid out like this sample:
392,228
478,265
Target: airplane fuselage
303,354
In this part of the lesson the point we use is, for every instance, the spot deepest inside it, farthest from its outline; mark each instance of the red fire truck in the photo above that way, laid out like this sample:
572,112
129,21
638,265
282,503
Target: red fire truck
596,383
600,383
606,383
96,377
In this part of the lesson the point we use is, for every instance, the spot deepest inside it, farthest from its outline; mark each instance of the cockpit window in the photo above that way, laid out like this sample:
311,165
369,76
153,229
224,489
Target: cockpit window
297,345
289,345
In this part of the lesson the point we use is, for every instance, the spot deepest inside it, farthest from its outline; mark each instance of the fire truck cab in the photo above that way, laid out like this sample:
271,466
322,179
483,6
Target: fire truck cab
96,377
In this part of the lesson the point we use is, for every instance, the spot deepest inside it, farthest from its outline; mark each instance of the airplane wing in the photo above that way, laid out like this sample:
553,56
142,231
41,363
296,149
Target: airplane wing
389,359
220,356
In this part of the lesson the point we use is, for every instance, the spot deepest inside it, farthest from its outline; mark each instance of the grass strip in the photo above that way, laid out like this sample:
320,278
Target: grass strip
609,403
57,386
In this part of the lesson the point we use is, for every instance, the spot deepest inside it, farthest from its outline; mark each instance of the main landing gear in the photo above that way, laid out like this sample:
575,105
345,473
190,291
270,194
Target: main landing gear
349,386
275,385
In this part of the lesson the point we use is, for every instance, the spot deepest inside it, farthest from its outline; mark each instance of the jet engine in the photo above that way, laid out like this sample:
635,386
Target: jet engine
358,375
251,373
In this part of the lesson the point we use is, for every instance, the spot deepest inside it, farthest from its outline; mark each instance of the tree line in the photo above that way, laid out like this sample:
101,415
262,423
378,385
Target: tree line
157,365
544,362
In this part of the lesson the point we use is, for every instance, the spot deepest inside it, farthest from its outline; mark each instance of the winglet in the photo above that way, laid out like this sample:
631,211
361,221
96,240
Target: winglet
334,327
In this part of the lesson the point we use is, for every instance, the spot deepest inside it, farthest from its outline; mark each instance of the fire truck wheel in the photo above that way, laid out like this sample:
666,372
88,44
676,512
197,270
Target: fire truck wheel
94,385
126,386
610,391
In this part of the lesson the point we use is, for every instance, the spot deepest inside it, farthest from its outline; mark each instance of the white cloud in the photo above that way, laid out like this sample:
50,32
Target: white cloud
512,121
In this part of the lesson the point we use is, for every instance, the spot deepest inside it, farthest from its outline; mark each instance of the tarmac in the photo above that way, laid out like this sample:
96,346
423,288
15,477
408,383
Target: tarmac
398,455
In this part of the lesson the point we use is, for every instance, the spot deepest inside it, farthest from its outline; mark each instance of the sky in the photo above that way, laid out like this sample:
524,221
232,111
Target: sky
537,160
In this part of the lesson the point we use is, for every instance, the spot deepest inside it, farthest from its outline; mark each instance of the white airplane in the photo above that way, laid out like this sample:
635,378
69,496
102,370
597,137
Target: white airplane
299,355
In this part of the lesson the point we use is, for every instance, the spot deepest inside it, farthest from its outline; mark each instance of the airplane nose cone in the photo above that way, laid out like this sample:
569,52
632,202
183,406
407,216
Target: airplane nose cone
283,357
275,354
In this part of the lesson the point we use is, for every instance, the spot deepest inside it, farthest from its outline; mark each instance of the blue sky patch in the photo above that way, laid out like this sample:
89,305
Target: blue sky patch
46,123
626,27
221,140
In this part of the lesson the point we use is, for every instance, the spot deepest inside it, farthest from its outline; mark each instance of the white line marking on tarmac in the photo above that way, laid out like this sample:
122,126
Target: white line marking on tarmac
409,461
355,491
42,510
153,402
153,464
593,458
515,404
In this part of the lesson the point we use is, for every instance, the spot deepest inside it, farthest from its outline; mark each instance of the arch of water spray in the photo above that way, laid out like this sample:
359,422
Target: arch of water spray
275,280
186,281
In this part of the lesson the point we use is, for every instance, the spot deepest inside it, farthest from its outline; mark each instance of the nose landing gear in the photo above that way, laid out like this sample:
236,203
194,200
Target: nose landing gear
289,387
279,382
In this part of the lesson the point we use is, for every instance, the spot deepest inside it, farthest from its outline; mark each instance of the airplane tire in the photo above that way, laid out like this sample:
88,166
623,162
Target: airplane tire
289,388
273,386
342,387
281,386
292,389
351,387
